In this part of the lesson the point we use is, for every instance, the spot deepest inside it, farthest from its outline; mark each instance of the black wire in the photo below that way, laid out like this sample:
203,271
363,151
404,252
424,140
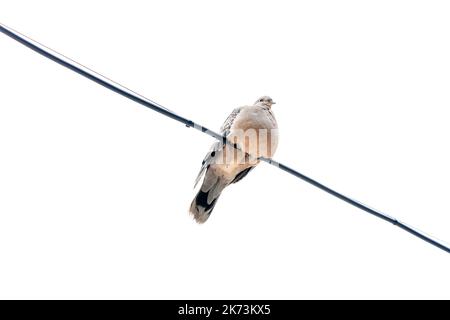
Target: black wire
107,83
359,205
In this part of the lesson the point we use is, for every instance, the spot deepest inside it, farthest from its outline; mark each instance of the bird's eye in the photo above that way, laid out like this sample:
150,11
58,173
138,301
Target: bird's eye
261,100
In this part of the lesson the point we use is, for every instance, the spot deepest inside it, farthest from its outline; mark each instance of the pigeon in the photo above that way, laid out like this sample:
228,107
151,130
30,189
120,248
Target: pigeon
253,133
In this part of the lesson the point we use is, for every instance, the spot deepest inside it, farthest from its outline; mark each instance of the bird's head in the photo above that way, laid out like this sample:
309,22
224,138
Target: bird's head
265,101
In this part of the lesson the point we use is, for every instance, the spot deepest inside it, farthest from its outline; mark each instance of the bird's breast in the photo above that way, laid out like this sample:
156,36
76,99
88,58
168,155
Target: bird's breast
256,131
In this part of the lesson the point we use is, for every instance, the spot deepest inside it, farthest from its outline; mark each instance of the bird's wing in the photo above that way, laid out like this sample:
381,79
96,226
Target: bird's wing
225,129
208,160
217,146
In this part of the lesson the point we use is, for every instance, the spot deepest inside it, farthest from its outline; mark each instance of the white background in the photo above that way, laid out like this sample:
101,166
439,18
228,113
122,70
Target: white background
95,189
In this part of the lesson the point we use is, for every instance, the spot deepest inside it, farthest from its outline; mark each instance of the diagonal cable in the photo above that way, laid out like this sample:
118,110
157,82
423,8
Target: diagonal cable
118,88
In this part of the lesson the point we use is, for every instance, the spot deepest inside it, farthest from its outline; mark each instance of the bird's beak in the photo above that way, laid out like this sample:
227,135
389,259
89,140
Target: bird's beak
273,102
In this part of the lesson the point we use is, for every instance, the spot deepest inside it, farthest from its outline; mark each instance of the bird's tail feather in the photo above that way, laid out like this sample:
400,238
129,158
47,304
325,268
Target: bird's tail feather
201,208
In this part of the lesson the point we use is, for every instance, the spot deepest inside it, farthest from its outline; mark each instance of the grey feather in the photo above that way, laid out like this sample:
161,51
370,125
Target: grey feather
208,160
226,126
216,190
209,181
217,146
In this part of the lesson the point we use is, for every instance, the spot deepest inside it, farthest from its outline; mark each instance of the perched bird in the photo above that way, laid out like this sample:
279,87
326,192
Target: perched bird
254,132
